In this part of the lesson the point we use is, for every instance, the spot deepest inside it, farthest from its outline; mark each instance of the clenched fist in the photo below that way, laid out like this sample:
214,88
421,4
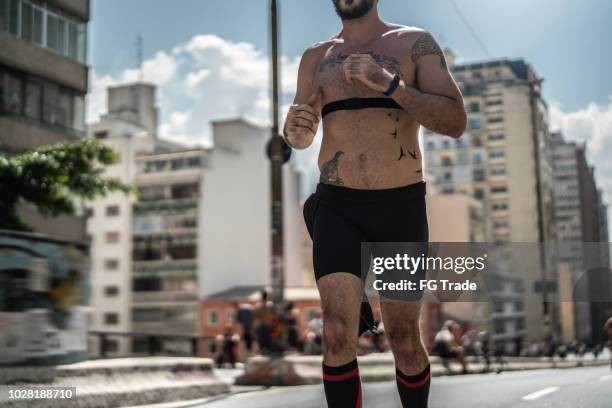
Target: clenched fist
302,122
364,68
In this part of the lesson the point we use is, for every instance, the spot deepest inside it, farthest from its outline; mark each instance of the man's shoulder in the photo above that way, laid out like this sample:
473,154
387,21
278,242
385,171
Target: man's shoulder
319,49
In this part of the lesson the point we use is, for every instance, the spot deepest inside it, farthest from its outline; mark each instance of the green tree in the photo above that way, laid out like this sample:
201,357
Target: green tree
52,177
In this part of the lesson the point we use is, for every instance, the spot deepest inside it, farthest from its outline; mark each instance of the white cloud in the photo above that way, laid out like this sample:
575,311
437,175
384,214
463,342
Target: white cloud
592,125
203,79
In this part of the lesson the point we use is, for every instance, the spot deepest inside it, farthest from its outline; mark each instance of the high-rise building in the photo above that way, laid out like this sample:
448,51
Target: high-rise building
199,225
43,82
503,160
581,223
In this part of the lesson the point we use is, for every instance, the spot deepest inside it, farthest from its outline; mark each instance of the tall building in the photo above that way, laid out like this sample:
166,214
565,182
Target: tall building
503,160
581,222
43,82
199,225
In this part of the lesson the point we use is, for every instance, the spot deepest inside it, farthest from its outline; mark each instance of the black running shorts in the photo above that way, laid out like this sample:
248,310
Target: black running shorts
340,219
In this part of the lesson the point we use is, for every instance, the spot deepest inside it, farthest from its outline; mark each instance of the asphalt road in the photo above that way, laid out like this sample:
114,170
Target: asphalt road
563,388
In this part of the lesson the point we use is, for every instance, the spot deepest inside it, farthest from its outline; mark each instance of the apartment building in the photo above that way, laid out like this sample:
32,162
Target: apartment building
43,82
504,161
199,224
581,220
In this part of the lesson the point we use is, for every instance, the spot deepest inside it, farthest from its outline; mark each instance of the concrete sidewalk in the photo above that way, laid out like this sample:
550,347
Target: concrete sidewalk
119,382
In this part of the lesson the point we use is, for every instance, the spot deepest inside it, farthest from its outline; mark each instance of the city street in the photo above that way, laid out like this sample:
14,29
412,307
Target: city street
566,388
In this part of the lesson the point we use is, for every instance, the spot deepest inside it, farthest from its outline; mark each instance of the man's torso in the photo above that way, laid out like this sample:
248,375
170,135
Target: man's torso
379,146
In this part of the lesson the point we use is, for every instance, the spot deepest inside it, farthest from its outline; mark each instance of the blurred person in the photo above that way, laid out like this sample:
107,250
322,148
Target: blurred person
446,345
228,347
292,322
245,318
264,319
373,85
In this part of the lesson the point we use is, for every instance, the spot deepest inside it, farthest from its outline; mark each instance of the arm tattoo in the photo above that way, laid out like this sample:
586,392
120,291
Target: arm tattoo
426,45
329,171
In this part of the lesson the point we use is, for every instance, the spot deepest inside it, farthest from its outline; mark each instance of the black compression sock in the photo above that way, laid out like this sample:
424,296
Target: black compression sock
414,389
342,385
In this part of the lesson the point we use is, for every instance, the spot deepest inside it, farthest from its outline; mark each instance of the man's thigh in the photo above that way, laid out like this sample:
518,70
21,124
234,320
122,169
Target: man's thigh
341,296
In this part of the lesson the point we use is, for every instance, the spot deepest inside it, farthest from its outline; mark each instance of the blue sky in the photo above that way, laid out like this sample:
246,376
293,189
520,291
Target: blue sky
209,57
568,41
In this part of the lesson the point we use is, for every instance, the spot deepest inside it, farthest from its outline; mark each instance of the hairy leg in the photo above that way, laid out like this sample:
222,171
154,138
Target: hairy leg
340,298
401,321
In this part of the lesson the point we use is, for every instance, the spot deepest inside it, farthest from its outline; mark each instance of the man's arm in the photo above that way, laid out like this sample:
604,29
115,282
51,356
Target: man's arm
436,103
304,115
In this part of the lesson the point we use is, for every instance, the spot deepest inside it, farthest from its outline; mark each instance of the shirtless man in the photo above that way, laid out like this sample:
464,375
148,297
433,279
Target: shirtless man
373,85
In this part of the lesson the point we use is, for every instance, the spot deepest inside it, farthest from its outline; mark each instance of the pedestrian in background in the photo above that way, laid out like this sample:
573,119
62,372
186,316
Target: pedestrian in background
264,314
245,317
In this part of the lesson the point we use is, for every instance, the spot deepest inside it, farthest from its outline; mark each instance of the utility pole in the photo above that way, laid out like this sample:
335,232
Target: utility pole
276,148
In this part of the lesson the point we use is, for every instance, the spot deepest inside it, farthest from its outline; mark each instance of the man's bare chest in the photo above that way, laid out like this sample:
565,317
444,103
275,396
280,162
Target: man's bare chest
329,78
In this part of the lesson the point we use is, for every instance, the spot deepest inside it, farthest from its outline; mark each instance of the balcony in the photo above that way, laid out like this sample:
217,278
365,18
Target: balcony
176,267
166,327
164,297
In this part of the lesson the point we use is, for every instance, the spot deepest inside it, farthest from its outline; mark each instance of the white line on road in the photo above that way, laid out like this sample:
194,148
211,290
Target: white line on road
606,377
539,394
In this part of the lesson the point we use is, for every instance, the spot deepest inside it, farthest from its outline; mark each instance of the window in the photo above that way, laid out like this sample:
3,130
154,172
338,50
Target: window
496,154
112,346
497,136
213,317
112,237
478,194
479,175
498,171
497,119
27,19
495,102
147,284
111,264
112,211
11,92
147,315
34,100
474,107
111,291
447,162
101,134
4,4
111,318
184,191
499,189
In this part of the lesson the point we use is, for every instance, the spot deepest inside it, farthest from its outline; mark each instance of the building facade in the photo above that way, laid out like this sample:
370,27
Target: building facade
198,225
504,161
581,221
43,83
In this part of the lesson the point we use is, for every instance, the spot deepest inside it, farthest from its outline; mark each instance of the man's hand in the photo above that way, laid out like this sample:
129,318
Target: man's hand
302,122
365,69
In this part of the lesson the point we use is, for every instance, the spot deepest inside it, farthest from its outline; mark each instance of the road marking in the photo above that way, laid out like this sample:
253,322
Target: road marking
539,394
606,377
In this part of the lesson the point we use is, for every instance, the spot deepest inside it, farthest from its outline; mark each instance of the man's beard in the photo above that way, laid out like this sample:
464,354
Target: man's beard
362,8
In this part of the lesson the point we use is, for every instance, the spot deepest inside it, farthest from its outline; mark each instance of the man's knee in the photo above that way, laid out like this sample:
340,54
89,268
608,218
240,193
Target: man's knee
406,340
337,335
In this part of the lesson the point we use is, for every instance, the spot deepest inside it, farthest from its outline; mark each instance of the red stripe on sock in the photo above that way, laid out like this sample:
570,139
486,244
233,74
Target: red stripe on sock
415,384
341,377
